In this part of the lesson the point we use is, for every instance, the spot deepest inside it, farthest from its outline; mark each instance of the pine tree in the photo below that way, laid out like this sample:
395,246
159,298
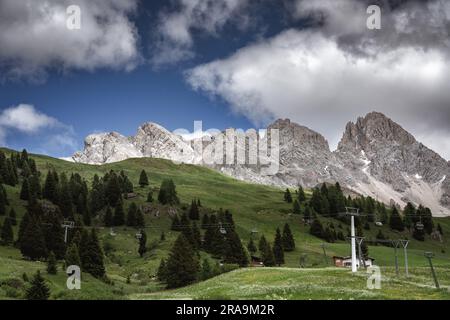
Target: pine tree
288,239
296,207
54,234
288,196
175,224
7,235
12,217
131,216
52,267
262,245
268,257
182,265
91,254
206,272
72,257
32,241
196,236
39,289
251,247
142,243
66,200
167,193
150,196
162,271
205,221
3,201
301,194
316,228
35,187
396,222
119,214
278,252
25,190
50,191
194,211
140,220
108,218
143,179
113,191
234,251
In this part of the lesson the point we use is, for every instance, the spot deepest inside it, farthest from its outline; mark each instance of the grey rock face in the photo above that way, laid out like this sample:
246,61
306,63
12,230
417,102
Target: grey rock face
375,157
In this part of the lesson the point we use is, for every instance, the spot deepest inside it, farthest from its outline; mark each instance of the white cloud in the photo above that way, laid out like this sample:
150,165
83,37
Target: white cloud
51,134
308,77
175,40
34,37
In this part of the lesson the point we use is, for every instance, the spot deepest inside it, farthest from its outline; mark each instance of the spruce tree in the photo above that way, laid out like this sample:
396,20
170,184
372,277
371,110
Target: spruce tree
38,289
316,228
54,234
205,221
7,235
278,252
162,271
206,272
182,265
119,214
32,241
52,267
251,247
175,224
268,257
50,191
296,207
131,216
25,190
234,251
439,229
150,196
140,220
262,245
3,201
143,179
288,239
196,236
301,197
395,221
72,257
91,254
194,211
12,217
288,196
113,191
108,218
142,243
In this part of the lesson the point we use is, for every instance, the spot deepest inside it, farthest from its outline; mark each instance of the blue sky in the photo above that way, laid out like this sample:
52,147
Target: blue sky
228,63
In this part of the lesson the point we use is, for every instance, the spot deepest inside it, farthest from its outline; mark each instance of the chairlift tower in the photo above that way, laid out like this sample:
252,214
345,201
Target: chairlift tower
352,212
67,225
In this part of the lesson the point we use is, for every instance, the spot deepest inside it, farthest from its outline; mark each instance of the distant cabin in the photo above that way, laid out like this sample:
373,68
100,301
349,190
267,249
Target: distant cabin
257,262
346,262
130,195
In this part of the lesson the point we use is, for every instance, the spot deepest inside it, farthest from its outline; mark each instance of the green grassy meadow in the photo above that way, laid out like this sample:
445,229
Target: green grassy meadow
254,208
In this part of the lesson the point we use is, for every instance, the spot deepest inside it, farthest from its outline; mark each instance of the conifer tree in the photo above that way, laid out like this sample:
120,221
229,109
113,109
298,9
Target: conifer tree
66,200
296,207
206,272
72,257
3,201
52,267
301,197
262,245
12,217
131,216
142,243
108,218
205,221
7,235
119,214
50,191
278,252
251,247
268,257
163,237
439,229
316,228
32,241
113,191
186,229
38,289
288,239
140,220
25,190
91,254
175,224
194,211
395,221
162,271
167,193
143,179
182,266
54,234
234,251
150,196
288,196
35,187
196,236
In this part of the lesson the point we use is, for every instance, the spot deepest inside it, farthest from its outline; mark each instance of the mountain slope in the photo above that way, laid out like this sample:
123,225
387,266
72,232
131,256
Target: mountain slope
375,157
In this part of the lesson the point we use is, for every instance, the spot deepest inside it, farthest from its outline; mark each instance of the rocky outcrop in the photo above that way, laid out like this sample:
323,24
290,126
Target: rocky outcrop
375,157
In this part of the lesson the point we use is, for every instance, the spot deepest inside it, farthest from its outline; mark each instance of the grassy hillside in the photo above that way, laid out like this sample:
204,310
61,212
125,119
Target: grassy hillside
314,283
254,207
